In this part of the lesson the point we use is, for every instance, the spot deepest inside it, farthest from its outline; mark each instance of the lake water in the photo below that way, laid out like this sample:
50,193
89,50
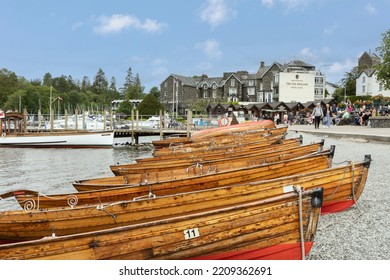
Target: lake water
54,170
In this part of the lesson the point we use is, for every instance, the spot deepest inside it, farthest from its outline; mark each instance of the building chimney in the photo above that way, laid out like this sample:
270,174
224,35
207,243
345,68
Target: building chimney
262,64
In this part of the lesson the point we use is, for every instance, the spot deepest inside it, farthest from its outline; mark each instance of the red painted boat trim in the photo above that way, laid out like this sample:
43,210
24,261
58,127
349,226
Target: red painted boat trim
291,251
334,207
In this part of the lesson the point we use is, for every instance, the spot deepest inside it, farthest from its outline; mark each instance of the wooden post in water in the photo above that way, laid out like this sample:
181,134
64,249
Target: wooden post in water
76,121
24,124
160,126
111,119
137,119
132,127
83,120
39,119
189,122
66,119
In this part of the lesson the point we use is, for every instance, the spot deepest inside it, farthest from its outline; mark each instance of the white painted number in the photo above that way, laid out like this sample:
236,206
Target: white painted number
191,233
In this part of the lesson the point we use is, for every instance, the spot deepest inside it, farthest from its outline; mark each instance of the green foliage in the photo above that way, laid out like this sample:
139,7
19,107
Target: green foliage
8,85
150,105
125,107
383,69
155,91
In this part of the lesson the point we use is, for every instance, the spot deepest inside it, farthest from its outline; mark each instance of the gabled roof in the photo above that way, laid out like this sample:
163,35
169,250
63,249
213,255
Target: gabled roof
223,82
368,72
264,70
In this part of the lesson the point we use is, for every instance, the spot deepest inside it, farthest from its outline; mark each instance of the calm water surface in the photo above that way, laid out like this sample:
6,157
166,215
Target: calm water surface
54,170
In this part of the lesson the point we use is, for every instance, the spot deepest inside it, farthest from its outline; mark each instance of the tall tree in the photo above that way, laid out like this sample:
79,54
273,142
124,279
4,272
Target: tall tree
47,80
100,83
8,85
85,84
383,69
113,84
129,80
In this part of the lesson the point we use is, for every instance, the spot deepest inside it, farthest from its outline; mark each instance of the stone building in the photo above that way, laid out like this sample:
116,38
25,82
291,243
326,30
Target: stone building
366,82
271,83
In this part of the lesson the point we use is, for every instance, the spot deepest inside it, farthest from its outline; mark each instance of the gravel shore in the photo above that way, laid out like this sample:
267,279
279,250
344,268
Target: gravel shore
361,232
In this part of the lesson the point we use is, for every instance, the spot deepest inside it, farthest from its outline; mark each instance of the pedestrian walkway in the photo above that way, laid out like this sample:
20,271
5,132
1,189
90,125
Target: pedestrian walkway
346,131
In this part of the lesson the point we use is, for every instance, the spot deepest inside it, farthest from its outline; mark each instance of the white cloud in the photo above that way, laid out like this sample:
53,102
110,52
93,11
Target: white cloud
77,25
216,12
117,23
287,4
336,70
370,9
268,3
307,54
210,48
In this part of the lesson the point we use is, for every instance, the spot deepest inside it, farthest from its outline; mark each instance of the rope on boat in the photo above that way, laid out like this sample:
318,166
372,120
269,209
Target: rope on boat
353,184
298,190
350,163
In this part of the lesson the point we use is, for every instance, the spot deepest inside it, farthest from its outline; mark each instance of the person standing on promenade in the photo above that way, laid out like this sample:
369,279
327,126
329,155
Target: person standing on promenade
318,114
327,116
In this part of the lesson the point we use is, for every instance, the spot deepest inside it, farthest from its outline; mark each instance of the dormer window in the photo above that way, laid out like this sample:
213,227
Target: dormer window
205,86
233,82
251,83
214,86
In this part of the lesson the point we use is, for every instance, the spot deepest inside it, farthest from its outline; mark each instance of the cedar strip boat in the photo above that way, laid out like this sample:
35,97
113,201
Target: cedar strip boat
241,170
233,151
226,139
224,130
266,155
246,145
278,227
342,186
223,143
166,143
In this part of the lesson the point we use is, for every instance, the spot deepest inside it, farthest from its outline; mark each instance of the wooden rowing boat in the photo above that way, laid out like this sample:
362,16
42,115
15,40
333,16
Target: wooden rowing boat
225,130
217,175
277,153
223,143
223,172
245,226
342,185
230,152
246,145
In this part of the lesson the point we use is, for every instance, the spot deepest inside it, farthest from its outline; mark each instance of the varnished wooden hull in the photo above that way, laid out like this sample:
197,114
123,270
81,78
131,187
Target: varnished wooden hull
340,184
212,132
220,231
278,153
266,164
218,153
225,142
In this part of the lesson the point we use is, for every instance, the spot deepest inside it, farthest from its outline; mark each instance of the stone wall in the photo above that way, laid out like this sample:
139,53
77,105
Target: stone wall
382,122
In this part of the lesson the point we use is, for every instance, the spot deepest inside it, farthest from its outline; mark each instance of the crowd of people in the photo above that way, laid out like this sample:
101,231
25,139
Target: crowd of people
331,115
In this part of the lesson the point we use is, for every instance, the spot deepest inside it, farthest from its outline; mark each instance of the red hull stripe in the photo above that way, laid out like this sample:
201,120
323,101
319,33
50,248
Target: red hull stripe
277,252
335,207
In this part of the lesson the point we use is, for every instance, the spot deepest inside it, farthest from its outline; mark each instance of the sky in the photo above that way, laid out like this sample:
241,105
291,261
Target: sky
157,38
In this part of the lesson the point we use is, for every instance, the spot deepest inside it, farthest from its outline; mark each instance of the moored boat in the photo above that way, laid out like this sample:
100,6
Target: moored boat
272,154
220,173
245,226
343,186
13,136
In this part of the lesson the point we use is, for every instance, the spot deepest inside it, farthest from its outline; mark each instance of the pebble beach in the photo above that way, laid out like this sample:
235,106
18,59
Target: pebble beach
361,232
